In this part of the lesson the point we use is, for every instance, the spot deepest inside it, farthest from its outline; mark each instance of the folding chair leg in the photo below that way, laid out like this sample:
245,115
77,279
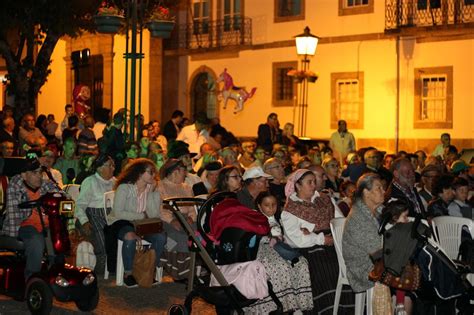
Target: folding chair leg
337,296
359,303
119,271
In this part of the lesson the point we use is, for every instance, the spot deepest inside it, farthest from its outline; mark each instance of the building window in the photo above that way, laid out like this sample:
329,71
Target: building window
425,4
232,15
289,10
201,16
350,7
434,97
347,99
284,88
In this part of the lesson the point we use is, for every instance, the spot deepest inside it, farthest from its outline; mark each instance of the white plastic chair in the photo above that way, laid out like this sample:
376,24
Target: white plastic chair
448,233
109,203
337,227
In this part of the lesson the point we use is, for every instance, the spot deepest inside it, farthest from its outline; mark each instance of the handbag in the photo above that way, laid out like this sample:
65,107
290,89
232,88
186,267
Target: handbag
409,280
148,226
144,265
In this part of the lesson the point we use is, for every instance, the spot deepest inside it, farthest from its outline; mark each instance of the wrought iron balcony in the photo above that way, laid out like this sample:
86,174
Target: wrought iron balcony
208,35
409,13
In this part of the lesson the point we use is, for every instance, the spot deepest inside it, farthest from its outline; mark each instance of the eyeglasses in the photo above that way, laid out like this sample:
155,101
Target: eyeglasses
112,165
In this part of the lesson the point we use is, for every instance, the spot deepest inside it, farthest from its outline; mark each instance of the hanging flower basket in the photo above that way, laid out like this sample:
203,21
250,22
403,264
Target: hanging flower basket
160,29
312,78
108,24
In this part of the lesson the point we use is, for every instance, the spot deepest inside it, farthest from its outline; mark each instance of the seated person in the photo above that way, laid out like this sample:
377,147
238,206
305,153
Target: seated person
209,179
25,224
136,198
90,206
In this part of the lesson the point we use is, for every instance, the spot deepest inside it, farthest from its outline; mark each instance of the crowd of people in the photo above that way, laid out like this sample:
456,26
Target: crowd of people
299,189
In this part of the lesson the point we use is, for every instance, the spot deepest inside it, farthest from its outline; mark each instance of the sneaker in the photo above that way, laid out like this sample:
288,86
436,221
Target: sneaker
130,282
155,283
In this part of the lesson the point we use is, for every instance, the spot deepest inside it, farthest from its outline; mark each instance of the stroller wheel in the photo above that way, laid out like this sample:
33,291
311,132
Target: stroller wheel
177,309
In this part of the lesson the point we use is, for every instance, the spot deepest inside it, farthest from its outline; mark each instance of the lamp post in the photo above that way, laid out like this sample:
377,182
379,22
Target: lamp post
306,44
134,24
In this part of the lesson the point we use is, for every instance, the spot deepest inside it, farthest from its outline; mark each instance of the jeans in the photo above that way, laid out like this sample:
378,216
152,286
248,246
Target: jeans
157,241
34,249
286,251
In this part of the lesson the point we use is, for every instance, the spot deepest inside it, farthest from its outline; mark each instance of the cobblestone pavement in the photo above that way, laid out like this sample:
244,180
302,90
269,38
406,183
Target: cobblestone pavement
115,300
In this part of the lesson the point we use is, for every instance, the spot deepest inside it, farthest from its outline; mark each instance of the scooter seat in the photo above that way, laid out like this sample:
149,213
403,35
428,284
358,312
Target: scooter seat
10,243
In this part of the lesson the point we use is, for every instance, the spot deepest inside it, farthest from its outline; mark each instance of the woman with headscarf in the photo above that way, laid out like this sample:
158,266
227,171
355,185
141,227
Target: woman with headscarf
172,184
305,219
136,198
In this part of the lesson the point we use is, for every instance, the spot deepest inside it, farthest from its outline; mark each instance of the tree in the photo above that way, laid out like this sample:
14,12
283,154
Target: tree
29,32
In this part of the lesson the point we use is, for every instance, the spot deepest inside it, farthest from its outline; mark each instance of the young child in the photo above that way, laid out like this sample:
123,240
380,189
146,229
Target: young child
398,211
268,205
347,190
459,206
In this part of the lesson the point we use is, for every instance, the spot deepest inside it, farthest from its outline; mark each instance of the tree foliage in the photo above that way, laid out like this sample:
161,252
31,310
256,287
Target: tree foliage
29,32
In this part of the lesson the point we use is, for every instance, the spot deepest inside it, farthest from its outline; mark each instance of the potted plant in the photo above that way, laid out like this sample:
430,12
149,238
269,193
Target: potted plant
300,75
160,22
109,18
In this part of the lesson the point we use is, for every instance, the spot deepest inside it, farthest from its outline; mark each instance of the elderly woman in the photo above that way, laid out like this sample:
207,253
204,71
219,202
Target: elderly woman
333,181
172,184
90,211
290,282
136,198
360,237
305,221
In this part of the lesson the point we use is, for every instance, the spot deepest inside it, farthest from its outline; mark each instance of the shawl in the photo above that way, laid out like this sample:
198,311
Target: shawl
320,211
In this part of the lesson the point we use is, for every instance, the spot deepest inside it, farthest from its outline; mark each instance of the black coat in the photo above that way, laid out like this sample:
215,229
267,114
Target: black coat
169,131
394,192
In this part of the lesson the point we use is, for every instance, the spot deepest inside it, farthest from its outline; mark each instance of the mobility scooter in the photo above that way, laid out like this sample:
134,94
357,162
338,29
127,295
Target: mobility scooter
56,278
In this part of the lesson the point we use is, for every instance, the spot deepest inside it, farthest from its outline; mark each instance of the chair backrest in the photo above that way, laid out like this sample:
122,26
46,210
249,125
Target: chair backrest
337,228
448,233
108,202
72,190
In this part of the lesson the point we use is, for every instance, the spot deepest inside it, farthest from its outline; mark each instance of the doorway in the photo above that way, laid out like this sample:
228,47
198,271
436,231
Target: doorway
203,95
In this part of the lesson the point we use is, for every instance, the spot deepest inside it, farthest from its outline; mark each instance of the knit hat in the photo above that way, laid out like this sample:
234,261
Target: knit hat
292,179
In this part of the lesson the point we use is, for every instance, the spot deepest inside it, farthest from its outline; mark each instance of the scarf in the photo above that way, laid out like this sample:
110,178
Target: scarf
320,211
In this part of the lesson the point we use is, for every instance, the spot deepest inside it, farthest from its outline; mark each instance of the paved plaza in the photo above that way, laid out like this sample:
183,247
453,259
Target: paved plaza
120,300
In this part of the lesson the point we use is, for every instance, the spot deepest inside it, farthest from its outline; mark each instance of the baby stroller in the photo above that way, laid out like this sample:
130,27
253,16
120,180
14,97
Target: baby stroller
236,245
441,278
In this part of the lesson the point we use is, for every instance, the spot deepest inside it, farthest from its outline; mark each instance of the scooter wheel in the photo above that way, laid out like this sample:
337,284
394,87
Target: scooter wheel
90,304
39,298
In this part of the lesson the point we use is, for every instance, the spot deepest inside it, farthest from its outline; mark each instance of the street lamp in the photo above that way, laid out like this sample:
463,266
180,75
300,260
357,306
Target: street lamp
306,44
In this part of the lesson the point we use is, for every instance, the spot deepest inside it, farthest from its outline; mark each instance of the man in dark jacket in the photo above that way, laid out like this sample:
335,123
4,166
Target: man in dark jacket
171,129
269,133
403,187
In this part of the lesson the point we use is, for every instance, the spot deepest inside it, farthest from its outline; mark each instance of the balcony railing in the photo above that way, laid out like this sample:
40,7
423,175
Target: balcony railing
408,13
231,31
